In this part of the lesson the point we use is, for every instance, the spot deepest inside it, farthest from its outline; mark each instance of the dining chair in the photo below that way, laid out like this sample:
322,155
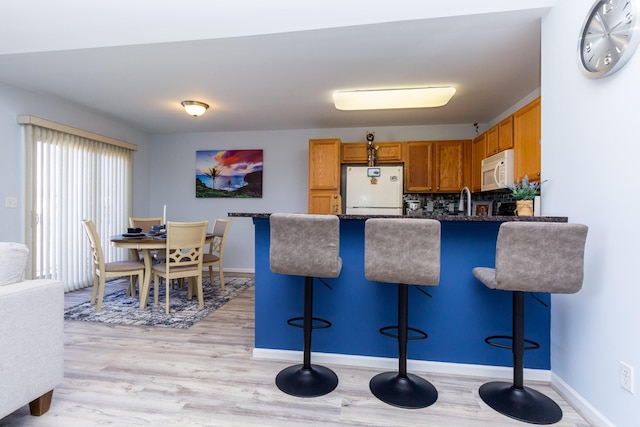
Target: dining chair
144,223
216,249
103,270
183,258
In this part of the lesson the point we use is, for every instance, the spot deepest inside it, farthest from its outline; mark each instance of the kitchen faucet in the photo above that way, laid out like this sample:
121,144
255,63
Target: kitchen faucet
461,205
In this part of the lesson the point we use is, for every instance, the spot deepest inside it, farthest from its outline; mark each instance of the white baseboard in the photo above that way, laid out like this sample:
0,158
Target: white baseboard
240,270
483,371
581,405
233,270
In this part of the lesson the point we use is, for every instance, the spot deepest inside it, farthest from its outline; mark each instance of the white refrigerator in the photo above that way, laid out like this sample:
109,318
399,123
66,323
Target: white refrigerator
374,190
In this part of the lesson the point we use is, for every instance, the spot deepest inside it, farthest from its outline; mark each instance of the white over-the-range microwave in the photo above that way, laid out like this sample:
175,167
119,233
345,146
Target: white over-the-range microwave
497,171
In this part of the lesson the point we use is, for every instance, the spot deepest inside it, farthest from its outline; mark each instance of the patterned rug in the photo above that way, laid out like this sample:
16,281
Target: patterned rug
121,309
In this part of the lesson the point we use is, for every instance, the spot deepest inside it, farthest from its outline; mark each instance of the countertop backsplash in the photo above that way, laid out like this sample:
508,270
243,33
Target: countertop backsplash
447,204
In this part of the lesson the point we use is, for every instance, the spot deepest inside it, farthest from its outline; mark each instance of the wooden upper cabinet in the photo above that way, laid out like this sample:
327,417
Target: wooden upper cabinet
356,152
500,137
436,166
390,152
449,165
492,141
418,167
324,164
478,150
505,134
526,136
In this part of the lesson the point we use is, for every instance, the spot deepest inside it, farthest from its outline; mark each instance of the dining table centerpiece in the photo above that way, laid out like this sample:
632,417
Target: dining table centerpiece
524,192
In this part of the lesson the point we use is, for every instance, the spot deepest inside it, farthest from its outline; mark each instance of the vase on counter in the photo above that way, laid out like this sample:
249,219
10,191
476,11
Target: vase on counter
524,207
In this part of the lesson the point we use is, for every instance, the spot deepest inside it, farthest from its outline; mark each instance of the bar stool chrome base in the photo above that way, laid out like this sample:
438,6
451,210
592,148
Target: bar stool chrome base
312,381
524,404
410,392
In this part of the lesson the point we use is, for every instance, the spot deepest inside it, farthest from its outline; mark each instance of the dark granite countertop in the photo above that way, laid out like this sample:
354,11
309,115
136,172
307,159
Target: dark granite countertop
442,218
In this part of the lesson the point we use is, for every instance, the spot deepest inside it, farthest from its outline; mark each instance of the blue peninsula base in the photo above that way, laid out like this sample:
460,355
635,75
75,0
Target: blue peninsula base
457,318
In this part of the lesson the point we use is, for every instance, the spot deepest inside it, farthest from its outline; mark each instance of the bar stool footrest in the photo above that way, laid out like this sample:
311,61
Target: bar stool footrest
319,322
314,381
421,335
492,342
524,404
410,392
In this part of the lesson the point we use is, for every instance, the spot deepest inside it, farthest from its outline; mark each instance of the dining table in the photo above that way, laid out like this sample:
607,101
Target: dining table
146,243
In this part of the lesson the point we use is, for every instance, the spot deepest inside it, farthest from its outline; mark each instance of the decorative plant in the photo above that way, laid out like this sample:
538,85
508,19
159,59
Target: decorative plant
525,190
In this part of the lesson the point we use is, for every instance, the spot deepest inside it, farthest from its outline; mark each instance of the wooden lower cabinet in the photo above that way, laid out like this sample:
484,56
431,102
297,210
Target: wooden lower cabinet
526,141
356,152
325,202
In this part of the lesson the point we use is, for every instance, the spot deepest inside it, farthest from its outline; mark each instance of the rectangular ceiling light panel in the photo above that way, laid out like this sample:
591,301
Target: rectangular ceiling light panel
426,97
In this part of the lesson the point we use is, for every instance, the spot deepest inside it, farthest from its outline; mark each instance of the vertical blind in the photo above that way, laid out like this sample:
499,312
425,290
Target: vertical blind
71,178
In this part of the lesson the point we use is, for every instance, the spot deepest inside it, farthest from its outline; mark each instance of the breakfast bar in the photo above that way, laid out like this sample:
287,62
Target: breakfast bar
458,314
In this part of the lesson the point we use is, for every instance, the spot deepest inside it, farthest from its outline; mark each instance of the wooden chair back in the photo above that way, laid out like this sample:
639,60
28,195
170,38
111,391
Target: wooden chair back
96,246
144,223
185,247
220,230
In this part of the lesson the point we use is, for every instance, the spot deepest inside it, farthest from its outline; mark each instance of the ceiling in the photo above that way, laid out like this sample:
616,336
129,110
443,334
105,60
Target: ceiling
136,72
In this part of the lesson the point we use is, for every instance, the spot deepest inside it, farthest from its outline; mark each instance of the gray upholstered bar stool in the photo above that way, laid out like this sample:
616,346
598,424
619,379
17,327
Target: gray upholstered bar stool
404,252
530,257
306,245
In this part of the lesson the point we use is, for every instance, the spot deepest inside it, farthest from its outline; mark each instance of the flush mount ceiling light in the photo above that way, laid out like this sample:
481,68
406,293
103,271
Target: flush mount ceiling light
194,108
424,97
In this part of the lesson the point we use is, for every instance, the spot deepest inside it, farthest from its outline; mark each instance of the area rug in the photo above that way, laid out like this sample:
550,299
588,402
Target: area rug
118,308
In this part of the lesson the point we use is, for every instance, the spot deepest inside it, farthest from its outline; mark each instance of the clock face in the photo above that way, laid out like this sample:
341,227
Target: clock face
608,37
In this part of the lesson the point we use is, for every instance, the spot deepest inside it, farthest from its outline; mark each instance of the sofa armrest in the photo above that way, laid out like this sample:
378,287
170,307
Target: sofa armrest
32,341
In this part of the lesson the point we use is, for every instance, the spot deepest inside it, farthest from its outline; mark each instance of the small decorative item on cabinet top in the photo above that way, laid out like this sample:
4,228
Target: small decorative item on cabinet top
372,150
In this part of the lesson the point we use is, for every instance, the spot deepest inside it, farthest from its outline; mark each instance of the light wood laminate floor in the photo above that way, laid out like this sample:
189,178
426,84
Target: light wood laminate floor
205,376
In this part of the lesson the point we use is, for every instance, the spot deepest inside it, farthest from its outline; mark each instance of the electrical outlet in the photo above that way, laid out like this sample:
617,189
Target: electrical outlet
626,377
11,202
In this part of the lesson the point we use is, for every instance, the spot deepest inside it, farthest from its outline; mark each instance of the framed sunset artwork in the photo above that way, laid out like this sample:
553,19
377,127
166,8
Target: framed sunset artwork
229,173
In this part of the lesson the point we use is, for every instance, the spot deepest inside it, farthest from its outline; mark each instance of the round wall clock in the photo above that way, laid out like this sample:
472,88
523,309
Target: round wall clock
609,36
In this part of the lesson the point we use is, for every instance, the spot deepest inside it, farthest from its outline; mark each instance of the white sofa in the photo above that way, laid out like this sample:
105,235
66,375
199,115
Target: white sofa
31,335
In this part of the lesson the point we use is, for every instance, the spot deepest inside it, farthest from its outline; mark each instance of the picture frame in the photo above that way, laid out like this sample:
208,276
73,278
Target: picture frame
482,208
229,173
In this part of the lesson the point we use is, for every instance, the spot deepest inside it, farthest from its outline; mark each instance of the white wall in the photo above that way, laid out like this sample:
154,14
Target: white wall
590,152
285,175
14,102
